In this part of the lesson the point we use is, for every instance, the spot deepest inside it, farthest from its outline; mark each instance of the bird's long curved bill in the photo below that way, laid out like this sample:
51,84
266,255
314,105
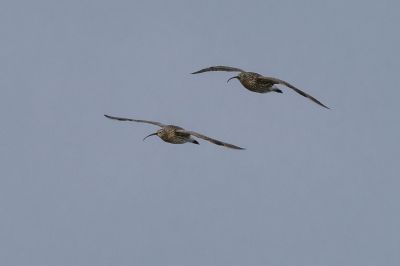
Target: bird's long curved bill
235,77
153,134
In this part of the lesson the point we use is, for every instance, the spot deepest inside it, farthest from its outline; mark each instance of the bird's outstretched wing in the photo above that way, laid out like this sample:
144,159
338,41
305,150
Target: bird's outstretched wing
219,68
135,120
210,139
282,82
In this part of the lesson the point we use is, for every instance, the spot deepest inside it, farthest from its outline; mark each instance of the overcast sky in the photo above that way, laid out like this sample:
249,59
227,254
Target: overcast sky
313,187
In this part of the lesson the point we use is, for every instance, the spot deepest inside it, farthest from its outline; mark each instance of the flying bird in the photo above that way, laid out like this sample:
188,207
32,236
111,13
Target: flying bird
258,83
176,135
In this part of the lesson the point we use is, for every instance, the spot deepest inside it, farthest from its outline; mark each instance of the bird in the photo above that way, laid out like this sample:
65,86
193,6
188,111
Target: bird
258,83
175,134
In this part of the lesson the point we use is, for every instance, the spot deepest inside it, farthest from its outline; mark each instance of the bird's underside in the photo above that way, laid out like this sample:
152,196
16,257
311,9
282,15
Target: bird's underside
259,83
175,134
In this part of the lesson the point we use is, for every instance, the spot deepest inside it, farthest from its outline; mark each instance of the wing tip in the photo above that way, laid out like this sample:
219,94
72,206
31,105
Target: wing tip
197,72
234,147
323,105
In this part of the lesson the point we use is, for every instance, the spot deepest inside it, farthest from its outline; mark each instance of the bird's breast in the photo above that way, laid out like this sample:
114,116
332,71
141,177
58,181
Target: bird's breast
252,85
171,136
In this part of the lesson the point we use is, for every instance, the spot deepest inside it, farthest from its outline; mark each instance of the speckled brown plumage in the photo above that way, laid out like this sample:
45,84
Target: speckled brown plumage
258,83
176,135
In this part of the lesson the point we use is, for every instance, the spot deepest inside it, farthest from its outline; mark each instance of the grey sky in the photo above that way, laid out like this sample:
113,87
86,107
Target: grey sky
314,187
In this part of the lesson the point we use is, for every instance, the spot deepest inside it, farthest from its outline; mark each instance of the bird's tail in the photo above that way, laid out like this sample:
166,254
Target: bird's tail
194,141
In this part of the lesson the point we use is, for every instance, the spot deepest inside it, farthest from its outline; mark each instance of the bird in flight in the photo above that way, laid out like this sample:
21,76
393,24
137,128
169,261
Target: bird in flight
174,134
258,83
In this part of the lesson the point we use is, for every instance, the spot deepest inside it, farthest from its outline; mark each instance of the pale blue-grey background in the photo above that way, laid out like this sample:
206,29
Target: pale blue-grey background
314,187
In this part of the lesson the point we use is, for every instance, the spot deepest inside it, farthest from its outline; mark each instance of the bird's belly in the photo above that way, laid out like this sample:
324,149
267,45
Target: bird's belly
174,139
259,88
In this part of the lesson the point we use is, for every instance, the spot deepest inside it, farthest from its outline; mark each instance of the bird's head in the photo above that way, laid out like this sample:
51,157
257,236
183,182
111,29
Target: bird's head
158,133
239,77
